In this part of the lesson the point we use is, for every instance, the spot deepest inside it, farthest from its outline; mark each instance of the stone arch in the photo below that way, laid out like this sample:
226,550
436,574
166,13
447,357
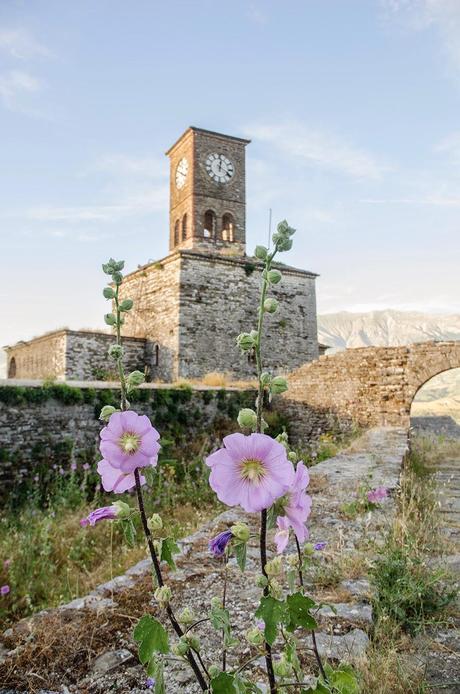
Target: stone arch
209,224
228,227
176,232
184,227
12,369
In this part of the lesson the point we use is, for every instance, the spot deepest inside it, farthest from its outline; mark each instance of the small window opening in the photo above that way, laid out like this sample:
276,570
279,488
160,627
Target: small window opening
156,360
209,227
176,233
184,227
12,368
227,228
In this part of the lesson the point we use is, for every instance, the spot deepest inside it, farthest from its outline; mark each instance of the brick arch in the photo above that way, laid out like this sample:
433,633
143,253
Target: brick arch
369,386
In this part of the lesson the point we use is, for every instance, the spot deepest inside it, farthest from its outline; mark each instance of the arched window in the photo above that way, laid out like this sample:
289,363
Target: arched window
227,228
12,368
184,227
156,358
209,227
176,233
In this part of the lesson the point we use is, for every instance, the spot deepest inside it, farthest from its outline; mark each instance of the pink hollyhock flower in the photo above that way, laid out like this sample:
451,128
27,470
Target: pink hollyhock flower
298,505
251,471
129,441
114,480
106,512
282,535
4,590
375,496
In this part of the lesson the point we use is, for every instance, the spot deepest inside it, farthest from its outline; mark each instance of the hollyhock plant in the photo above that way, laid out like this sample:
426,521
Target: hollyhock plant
116,510
296,508
282,535
113,480
250,471
129,441
218,544
377,495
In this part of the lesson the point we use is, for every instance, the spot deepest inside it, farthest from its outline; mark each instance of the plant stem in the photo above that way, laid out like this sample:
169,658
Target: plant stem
260,402
313,635
121,373
156,565
224,599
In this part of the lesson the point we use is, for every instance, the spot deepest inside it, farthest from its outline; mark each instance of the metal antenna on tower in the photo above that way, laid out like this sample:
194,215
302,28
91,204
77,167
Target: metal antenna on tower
269,226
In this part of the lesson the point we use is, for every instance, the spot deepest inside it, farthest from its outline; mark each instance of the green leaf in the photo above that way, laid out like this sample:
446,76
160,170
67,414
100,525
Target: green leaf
168,549
152,638
319,689
158,673
223,684
220,620
240,554
129,532
292,579
299,607
272,611
343,680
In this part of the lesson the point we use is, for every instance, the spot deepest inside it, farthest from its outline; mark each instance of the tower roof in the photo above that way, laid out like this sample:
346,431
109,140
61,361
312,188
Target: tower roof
193,128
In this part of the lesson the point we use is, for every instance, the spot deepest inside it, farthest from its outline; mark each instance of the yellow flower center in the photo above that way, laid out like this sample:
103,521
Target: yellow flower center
252,470
130,442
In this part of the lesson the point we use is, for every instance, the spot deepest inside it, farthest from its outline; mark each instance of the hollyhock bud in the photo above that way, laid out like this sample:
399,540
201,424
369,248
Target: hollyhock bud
261,581
216,602
255,636
308,549
261,252
265,378
126,305
274,566
135,378
108,292
247,418
193,642
181,648
117,277
282,668
163,595
278,385
106,412
109,267
155,523
245,341
187,616
270,305
115,351
110,319
240,531
292,456
274,276
123,510
276,590
214,670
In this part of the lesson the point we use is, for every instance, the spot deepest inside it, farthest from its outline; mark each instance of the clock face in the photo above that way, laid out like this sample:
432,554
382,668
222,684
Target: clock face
181,173
219,168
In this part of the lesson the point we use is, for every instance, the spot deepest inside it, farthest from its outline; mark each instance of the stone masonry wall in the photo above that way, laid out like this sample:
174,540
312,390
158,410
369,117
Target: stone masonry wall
43,357
219,300
370,386
39,425
87,355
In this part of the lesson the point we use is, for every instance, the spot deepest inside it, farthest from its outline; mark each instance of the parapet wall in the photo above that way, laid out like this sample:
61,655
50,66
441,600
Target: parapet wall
45,425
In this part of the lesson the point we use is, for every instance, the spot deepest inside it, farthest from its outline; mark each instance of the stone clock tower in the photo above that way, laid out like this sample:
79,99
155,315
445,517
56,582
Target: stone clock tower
208,193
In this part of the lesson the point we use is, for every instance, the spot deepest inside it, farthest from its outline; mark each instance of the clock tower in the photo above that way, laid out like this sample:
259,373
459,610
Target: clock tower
207,210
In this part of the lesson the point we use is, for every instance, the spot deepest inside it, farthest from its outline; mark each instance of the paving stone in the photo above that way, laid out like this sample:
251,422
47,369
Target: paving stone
346,648
110,661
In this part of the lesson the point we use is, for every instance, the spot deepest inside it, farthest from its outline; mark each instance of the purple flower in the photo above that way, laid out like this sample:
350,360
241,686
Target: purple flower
297,508
260,624
114,480
251,471
105,512
4,590
377,495
61,471
318,546
73,467
129,441
6,564
218,544
150,682
282,535
86,466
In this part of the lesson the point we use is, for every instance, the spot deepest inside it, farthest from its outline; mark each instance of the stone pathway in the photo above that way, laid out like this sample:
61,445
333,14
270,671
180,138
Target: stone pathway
375,460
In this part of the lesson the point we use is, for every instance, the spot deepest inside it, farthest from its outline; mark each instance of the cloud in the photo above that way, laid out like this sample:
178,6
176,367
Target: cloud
450,145
150,200
441,15
122,165
256,14
319,149
429,199
19,44
15,84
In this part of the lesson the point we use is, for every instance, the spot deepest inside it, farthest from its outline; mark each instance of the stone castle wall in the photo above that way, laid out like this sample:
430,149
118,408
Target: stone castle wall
369,386
72,355
45,425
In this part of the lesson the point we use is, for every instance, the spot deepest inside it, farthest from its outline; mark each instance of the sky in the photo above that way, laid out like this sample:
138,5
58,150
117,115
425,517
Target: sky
352,108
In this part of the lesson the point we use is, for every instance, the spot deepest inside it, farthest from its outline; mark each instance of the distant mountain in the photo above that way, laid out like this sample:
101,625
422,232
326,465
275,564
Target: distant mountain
385,328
